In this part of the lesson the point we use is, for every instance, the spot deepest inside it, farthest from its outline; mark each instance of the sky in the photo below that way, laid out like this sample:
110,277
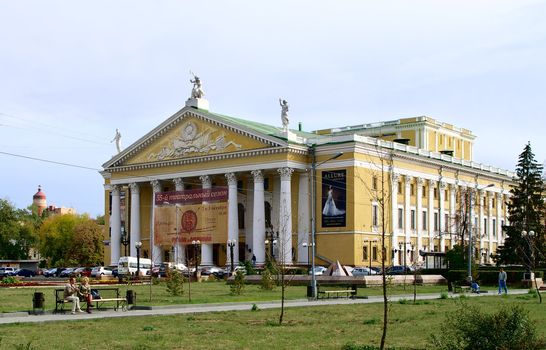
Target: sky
71,72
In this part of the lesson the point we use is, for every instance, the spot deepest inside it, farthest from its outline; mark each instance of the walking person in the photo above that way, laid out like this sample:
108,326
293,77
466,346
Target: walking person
502,281
71,292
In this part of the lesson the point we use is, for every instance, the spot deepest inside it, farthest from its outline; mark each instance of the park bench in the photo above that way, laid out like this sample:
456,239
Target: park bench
459,288
107,295
326,291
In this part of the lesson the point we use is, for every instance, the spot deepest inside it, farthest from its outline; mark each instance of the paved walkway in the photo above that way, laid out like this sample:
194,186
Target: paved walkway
21,317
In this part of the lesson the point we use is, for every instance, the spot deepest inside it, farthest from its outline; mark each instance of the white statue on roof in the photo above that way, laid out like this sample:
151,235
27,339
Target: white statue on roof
197,90
284,114
117,139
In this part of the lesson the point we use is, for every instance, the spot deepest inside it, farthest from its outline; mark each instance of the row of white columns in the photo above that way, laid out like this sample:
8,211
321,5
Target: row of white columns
405,236
255,235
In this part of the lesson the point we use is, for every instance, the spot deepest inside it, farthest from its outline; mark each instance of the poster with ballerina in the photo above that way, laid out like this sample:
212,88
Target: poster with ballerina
334,194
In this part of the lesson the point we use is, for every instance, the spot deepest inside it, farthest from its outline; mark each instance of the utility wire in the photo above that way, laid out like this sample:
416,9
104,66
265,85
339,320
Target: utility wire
50,161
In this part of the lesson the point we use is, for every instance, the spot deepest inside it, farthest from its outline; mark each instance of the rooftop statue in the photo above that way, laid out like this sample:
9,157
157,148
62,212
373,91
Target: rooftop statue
117,139
197,90
284,114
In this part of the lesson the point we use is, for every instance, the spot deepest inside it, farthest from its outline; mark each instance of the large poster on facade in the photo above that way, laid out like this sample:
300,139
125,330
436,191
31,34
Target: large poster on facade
334,196
187,221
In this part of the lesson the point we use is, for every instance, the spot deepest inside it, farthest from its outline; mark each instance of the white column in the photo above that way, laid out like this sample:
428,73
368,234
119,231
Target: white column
207,258
135,217
275,203
304,217
499,217
249,219
480,201
179,251
258,222
452,192
441,214
407,216
156,254
285,217
233,217
115,227
394,216
419,217
431,185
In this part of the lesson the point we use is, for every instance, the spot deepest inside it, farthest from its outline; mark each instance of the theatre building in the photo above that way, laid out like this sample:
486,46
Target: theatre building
205,177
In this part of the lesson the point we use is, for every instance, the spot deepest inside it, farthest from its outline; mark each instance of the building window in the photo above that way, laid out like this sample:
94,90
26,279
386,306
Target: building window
485,226
374,253
493,203
494,227
399,188
435,193
400,218
374,182
435,221
375,215
365,253
424,191
412,189
412,213
240,186
241,216
446,222
424,220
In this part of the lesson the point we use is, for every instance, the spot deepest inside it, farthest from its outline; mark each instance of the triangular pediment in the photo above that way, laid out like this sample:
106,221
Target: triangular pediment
194,133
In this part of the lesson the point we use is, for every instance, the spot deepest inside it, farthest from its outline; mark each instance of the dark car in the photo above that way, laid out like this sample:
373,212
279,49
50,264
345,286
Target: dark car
399,270
23,273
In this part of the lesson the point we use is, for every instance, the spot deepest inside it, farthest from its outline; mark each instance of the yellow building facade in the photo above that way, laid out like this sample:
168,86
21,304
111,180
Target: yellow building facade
416,189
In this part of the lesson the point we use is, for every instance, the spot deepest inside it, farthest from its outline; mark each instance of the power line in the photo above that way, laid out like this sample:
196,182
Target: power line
50,161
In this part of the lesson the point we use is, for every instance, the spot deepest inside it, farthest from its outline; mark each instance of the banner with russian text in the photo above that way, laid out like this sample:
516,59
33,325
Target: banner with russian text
206,222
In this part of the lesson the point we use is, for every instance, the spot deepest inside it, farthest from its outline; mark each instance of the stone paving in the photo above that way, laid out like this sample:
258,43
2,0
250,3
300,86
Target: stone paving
24,317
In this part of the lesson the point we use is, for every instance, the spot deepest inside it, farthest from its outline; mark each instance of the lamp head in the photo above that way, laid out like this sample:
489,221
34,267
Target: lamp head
138,245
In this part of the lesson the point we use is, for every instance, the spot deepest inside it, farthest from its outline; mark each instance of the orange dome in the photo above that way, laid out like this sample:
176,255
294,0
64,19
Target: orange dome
39,194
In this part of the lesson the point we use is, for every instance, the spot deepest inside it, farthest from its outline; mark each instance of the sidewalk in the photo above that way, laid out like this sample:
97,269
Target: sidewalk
20,317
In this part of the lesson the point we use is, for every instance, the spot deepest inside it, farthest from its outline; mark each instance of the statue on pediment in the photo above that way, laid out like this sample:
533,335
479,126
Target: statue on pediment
284,114
197,90
117,139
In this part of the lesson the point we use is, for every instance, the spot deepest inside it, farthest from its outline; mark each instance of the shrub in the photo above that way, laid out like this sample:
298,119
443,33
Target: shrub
9,280
470,328
238,284
254,307
267,282
175,283
250,270
444,295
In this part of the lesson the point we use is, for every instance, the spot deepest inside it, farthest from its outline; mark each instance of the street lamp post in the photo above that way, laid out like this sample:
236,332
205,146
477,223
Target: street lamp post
231,244
314,166
196,246
124,239
470,219
138,245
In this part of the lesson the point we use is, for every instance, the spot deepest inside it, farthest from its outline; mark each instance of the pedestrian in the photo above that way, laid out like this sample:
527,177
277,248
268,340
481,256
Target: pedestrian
71,292
253,260
85,291
502,281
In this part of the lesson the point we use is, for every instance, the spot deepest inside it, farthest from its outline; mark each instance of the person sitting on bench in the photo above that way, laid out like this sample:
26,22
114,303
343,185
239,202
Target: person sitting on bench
475,287
71,292
85,291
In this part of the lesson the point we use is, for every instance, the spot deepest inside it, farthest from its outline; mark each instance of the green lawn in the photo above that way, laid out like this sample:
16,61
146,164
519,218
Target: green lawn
324,327
20,299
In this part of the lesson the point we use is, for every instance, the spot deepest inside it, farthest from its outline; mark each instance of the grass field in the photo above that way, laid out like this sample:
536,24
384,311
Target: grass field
20,299
323,327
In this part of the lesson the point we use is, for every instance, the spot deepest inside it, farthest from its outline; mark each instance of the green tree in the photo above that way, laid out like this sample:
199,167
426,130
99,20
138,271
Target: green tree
71,240
525,213
17,232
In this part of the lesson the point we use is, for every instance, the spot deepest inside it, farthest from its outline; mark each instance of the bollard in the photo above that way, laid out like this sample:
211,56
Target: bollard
38,302
130,296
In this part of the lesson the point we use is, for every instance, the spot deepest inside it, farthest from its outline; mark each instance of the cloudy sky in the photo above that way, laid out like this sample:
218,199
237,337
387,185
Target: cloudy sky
72,72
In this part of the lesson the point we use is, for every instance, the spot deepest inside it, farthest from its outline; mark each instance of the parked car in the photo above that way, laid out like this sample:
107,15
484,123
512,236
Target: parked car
115,272
213,270
67,272
363,271
319,270
5,271
169,265
51,272
399,270
23,273
83,271
98,271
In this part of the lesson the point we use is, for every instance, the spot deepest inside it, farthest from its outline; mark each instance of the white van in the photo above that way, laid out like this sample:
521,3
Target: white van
127,265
